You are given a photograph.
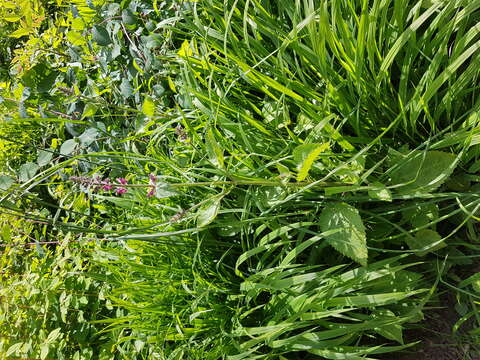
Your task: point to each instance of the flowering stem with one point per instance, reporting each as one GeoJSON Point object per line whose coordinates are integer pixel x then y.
{"type": "Point", "coordinates": [229, 182]}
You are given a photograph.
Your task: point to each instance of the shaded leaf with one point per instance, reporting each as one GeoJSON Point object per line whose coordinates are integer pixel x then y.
{"type": "Point", "coordinates": [68, 147]}
{"type": "Point", "coordinates": [128, 17]}
{"type": "Point", "coordinates": [379, 191]}
{"type": "Point", "coordinates": [421, 171]}
{"type": "Point", "coordinates": [88, 136]}
{"type": "Point", "coordinates": [125, 88]}
{"type": "Point", "coordinates": [351, 240]}
{"type": "Point", "coordinates": [6, 182]}
{"type": "Point", "coordinates": [27, 171]}
{"type": "Point", "coordinates": [100, 35]}
{"type": "Point", "coordinates": [426, 239]}
{"type": "Point", "coordinates": [44, 157]}
{"type": "Point", "coordinates": [208, 212]}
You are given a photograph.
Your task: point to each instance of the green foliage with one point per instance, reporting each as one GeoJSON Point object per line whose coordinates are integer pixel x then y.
{"type": "Point", "coordinates": [347, 232]}
{"type": "Point", "coordinates": [255, 136]}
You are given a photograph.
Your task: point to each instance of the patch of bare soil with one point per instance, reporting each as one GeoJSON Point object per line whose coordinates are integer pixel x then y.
{"type": "Point", "coordinates": [437, 342]}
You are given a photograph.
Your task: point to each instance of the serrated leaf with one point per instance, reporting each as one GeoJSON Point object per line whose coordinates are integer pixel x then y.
{"type": "Point", "coordinates": [208, 212]}
{"type": "Point", "coordinates": [422, 171]}
{"type": "Point", "coordinates": [27, 171]}
{"type": "Point", "coordinates": [305, 155]}
{"type": "Point", "coordinates": [351, 240]}
{"type": "Point", "coordinates": [125, 88]}
{"type": "Point", "coordinates": [148, 107]}
{"type": "Point", "coordinates": [68, 147]}
{"type": "Point", "coordinates": [6, 182]}
{"type": "Point", "coordinates": [89, 110]}
{"type": "Point", "coordinates": [427, 240]}
{"type": "Point", "coordinates": [44, 157]}
{"type": "Point", "coordinates": [100, 36]}
{"type": "Point", "coordinates": [379, 191]}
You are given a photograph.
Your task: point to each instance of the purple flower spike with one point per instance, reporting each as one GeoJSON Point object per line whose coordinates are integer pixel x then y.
{"type": "Point", "coordinates": [120, 191]}
{"type": "Point", "coordinates": [153, 179]}
{"type": "Point", "coordinates": [122, 181]}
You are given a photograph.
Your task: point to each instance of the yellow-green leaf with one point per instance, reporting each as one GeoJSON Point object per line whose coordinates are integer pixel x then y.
{"type": "Point", "coordinates": [305, 155]}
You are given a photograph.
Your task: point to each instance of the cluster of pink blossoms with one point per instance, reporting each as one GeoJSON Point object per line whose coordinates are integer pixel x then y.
{"type": "Point", "coordinates": [98, 183]}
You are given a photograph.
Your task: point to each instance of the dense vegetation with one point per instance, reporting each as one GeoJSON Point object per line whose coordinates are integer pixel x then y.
{"type": "Point", "coordinates": [239, 179]}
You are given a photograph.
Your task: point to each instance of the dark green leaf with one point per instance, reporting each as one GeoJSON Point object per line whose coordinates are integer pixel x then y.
{"type": "Point", "coordinates": [128, 17]}
{"type": "Point", "coordinates": [100, 36]}
{"type": "Point", "coordinates": [125, 88]}
{"type": "Point", "coordinates": [422, 171]}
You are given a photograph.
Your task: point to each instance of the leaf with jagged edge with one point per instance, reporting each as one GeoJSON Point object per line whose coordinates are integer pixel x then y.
{"type": "Point", "coordinates": [421, 171]}
{"type": "Point", "coordinates": [351, 239]}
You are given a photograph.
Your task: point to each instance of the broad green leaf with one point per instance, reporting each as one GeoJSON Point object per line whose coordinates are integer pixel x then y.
{"type": "Point", "coordinates": [27, 171]}
{"type": "Point", "coordinates": [88, 136]}
{"type": "Point", "coordinates": [44, 350]}
{"type": "Point", "coordinates": [427, 240]}
{"type": "Point", "coordinates": [128, 17]}
{"type": "Point", "coordinates": [20, 32]}
{"type": "Point", "coordinates": [75, 38]}
{"type": "Point", "coordinates": [68, 147]}
{"type": "Point", "coordinates": [163, 190]}
{"type": "Point", "coordinates": [305, 155]}
{"type": "Point", "coordinates": [148, 107]}
{"type": "Point", "coordinates": [389, 331]}
{"type": "Point", "coordinates": [422, 214]}
{"type": "Point", "coordinates": [13, 349]}
{"type": "Point", "coordinates": [54, 335]}
{"type": "Point", "coordinates": [6, 182]}
{"type": "Point", "coordinates": [208, 212]}
{"type": "Point", "coordinates": [44, 157]}
{"type": "Point", "coordinates": [422, 171]}
{"type": "Point", "coordinates": [100, 35]}
{"type": "Point", "coordinates": [89, 110]}
{"type": "Point", "coordinates": [351, 240]}
{"type": "Point", "coordinates": [125, 88]}
{"type": "Point", "coordinates": [379, 191]}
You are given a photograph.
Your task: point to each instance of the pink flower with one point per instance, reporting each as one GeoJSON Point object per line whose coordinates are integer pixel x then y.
{"type": "Point", "coordinates": [151, 192]}
{"type": "Point", "coordinates": [107, 187]}
{"type": "Point", "coordinates": [120, 191]}
{"type": "Point", "coordinates": [122, 181]}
